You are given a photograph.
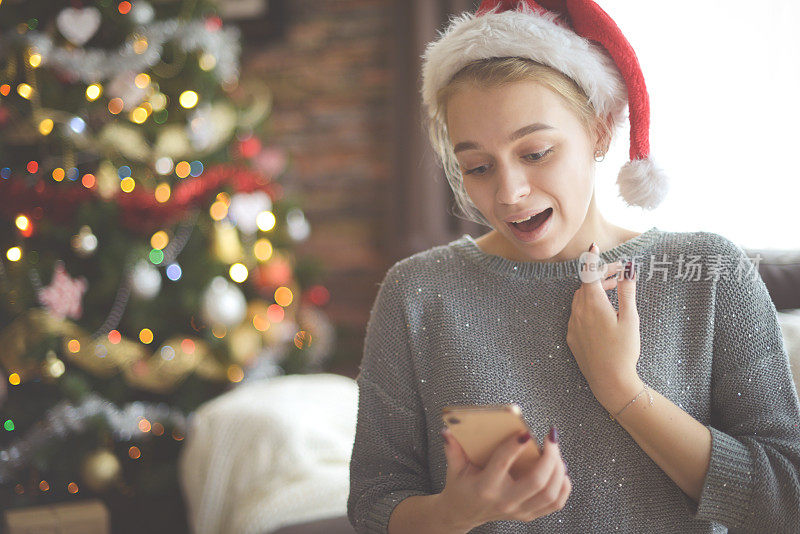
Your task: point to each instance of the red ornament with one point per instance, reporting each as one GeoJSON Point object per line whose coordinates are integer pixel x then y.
{"type": "Point", "coordinates": [250, 147]}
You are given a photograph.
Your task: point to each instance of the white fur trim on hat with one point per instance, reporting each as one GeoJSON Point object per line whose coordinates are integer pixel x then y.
{"type": "Point", "coordinates": [642, 183]}
{"type": "Point", "coordinates": [528, 34]}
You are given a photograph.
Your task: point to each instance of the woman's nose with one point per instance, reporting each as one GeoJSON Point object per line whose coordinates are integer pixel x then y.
{"type": "Point", "coordinates": [512, 184]}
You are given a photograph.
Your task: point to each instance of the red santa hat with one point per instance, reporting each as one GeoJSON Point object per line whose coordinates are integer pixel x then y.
{"type": "Point", "coordinates": [575, 37]}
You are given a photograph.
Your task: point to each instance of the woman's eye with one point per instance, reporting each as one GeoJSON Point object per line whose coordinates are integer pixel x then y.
{"type": "Point", "coordinates": [538, 156]}
{"type": "Point", "coordinates": [475, 170]}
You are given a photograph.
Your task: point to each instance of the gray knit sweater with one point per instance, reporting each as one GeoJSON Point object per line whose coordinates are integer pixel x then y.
{"type": "Point", "coordinates": [455, 325]}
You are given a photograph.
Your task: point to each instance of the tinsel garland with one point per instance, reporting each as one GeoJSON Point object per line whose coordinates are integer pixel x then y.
{"type": "Point", "coordinates": [95, 65]}
{"type": "Point", "coordinates": [65, 418]}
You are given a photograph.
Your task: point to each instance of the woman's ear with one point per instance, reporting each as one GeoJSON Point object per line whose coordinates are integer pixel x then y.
{"type": "Point", "coordinates": [602, 134]}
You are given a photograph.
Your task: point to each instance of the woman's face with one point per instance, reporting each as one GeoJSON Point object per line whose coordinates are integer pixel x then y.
{"type": "Point", "coordinates": [508, 176]}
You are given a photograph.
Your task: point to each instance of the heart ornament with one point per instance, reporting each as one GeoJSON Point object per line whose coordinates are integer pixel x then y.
{"type": "Point", "coordinates": [78, 25]}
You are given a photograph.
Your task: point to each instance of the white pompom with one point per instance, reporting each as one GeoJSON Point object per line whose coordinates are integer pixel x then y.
{"type": "Point", "coordinates": [642, 184]}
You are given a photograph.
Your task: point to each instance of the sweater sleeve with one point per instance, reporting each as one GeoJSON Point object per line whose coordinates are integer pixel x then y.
{"type": "Point", "coordinates": [388, 461]}
{"type": "Point", "coordinates": [753, 480]}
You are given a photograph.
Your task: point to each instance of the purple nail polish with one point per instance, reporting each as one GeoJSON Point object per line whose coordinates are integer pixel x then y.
{"type": "Point", "coordinates": [553, 436]}
{"type": "Point", "coordinates": [629, 270]}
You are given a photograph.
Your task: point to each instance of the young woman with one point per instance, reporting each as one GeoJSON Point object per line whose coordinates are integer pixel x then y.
{"type": "Point", "coordinates": [670, 386]}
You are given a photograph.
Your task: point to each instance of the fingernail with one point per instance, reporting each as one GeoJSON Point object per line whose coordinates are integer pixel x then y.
{"type": "Point", "coordinates": [592, 246]}
{"type": "Point", "coordinates": [553, 436]}
{"type": "Point", "coordinates": [629, 270]}
{"type": "Point", "coordinates": [523, 439]}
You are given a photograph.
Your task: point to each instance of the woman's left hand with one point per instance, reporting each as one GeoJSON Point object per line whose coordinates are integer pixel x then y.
{"type": "Point", "coordinates": [606, 343]}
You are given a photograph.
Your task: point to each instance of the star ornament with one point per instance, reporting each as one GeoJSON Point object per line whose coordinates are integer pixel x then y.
{"type": "Point", "coordinates": [63, 296]}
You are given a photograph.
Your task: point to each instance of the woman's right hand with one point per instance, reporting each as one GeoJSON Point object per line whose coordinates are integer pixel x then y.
{"type": "Point", "coordinates": [473, 496]}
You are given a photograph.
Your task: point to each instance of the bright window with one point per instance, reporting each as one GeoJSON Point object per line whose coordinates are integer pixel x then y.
{"type": "Point", "coordinates": [723, 79]}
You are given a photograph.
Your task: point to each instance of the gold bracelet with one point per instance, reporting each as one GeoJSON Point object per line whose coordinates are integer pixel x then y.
{"type": "Point", "coordinates": [645, 388]}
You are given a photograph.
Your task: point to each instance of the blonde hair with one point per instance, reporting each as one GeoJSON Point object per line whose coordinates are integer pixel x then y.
{"type": "Point", "coordinates": [494, 72]}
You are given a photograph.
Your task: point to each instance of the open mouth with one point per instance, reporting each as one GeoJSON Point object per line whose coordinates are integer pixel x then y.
{"type": "Point", "coordinates": [534, 222]}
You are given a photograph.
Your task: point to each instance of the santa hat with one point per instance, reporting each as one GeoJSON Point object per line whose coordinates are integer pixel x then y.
{"type": "Point", "coordinates": [575, 37]}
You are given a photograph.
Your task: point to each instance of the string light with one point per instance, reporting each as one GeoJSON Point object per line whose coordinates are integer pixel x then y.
{"type": "Point", "coordinates": [14, 379]}
{"type": "Point", "coordinates": [156, 256]}
{"type": "Point", "coordinates": [235, 373]}
{"type": "Point", "coordinates": [88, 181]}
{"type": "Point", "coordinates": [146, 336]}
{"type": "Point", "coordinates": [262, 249]}
{"type": "Point", "coordinates": [138, 115]}
{"type": "Point", "coordinates": [25, 90]}
{"type": "Point", "coordinates": [115, 105]}
{"type": "Point", "coordinates": [159, 240]}
{"type": "Point", "coordinates": [127, 184]}
{"type": "Point", "coordinates": [182, 169]}
{"type": "Point", "coordinates": [74, 345]}
{"type": "Point", "coordinates": [124, 7]}
{"type": "Point", "coordinates": [265, 221]}
{"type": "Point", "coordinates": [218, 210]}
{"type": "Point", "coordinates": [46, 126]}
{"type": "Point", "coordinates": [207, 61]}
{"type": "Point", "coordinates": [22, 222]}
{"type": "Point", "coordinates": [188, 99]}
{"type": "Point", "coordinates": [144, 425]}
{"type": "Point", "coordinates": [134, 453]}
{"type": "Point", "coordinates": [58, 174]}
{"type": "Point", "coordinates": [140, 45]}
{"type": "Point", "coordinates": [142, 80]}
{"type": "Point", "coordinates": [33, 166]}
{"type": "Point", "coordinates": [72, 487]}
{"type": "Point", "coordinates": [114, 337]}
{"type": "Point", "coordinates": [35, 59]}
{"type": "Point", "coordinates": [283, 296]}
{"type": "Point", "coordinates": [93, 92]}
{"type": "Point", "coordinates": [162, 192]}
{"type": "Point", "coordinates": [5, 89]}
{"type": "Point", "coordinates": [14, 254]}
{"type": "Point", "coordinates": [238, 272]}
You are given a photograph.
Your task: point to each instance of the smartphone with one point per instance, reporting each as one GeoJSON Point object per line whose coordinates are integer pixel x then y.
{"type": "Point", "coordinates": [479, 429]}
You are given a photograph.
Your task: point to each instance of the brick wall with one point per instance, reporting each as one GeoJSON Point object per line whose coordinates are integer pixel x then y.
{"type": "Point", "coordinates": [331, 79]}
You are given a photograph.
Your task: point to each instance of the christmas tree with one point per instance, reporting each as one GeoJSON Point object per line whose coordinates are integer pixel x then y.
{"type": "Point", "coordinates": [148, 243]}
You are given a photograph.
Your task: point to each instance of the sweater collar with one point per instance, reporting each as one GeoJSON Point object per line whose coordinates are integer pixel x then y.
{"type": "Point", "coordinates": [631, 248]}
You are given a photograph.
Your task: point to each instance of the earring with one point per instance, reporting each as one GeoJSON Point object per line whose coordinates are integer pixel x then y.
{"type": "Point", "coordinates": [599, 155]}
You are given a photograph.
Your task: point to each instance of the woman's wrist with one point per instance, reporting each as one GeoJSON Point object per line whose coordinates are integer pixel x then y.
{"type": "Point", "coordinates": [450, 522]}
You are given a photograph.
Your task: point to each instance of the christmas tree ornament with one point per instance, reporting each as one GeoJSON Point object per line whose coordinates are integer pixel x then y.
{"type": "Point", "coordinates": [63, 297]}
{"type": "Point", "coordinates": [211, 125]}
{"type": "Point", "coordinates": [223, 303]}
{"type": "Point", "coordinates": [244, 343]}
{"type": "Point", "coordinates": [101, 469]}
{"type": "Point", "coordinates": [84, 243]}
{"type": "Point", "coordinates": [142, 12]}
{"type": "Point", "coordinates": [578, 39]}
{"type": "Point", "coordinates": [145, 280]}
{"type": "Point", "coordinates": [297, 225]}
{"type": "Point", "coordinates": [52, 367]}
{"type": "Point", "coordinates": [245, 207]}
{"type": "Point", "coordinates": [78, 25]}
{"type": "Point", "coordinates": [226, 244]}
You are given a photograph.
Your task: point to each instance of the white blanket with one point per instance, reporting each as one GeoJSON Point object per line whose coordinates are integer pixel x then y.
{"type": "Point", "coordinates": [270, 453]}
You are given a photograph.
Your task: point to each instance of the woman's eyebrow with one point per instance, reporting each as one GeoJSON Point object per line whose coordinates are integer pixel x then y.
{"type": "Point", "coordinates": [522, 132]}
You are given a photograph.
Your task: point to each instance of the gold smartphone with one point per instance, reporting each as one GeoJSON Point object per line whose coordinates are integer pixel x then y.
{"type": "Point", "coordinates": [479, 429]}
